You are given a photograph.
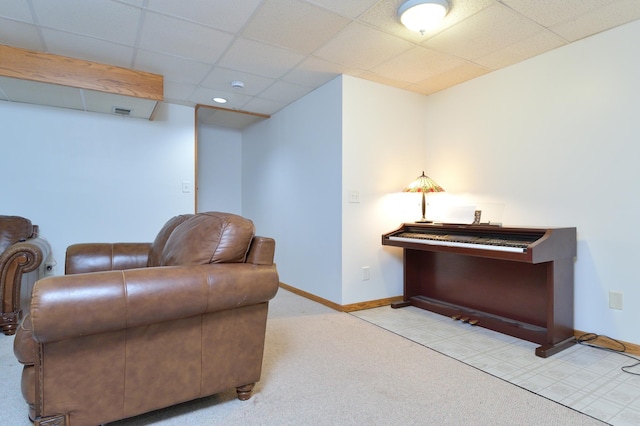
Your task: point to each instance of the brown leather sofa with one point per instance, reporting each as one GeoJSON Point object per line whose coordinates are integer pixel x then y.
{"type": "Point", "coordinates": [22, 256]}
{"type": "Point", "coordinates": [135, 327]}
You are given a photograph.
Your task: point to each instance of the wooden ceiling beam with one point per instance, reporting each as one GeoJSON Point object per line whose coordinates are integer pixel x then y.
{"type": "Point", "coordinates": [78, 73]}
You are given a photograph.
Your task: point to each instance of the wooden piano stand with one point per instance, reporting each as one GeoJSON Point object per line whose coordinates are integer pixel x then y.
{"type": "Point", "coordinates": [527, 295]}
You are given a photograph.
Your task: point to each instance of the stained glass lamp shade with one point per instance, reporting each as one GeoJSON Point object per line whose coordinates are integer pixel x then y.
{"type": "Point", "coordinates": [423, 184]}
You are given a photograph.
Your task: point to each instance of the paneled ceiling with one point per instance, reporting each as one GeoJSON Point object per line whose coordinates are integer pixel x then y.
{"type": "Point", "coordinates": [284, 49]}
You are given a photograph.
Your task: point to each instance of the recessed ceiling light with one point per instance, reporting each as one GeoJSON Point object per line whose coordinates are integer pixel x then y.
{"type": "Point", "coordinates": [220, 100]}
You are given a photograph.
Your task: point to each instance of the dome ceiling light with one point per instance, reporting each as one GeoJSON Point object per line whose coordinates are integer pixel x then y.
{"type": "Point", "coordinates": [422, 15]}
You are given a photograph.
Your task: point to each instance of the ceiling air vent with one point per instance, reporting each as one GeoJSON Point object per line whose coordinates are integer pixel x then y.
{"type": "Point", "coordinates": [125, 112]}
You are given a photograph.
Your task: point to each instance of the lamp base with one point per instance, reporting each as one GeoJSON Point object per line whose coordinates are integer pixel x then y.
{"type": "Point", "coordinates": [424, 221]}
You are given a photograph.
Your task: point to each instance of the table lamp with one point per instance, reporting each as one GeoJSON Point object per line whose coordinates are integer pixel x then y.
{"type": "Point", "coordinates": [423, 184]}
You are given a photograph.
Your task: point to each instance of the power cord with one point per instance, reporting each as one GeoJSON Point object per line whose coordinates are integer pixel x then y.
{"type": "Point", "coordinates": [585, 338]}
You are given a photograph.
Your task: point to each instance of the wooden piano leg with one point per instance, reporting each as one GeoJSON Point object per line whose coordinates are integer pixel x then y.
{"type": "Point", "coordinates": [397, 305]}
{"type": "Point", "coordinates": [545, 351]}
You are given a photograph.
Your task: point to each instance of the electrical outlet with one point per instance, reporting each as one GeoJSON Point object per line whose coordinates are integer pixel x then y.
{"type": "Point", "coordinates": [354, 196]}
{"type": "Point", "coordinates": [366, 273]}
{"type": "Point", "coordinates": [615, 300]}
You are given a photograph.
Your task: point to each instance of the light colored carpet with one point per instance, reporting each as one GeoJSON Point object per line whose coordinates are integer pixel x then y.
{"type": "Point", "coordinates": [323, 367]}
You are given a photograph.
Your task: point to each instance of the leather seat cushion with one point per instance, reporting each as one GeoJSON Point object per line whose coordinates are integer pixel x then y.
{"type": "Point", "coordinates": [211, 237]}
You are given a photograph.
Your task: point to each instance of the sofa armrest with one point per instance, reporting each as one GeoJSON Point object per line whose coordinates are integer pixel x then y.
{"type": "Point", "coordinates": [97, 257]}
{"type": "Point", "coordinates": [83, 304]}
{"type": "Point", "coordinates": [261, 251]}
{"type": "Point", "coordinates": [25, 256]}
{"type": "Point", "coordinates": [17, 260]}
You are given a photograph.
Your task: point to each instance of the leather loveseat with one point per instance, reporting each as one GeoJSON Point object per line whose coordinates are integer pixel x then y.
{"type": "Point", "coordinates": [22, 256]}
{"type": "Point", "coordinates": [134, 327]}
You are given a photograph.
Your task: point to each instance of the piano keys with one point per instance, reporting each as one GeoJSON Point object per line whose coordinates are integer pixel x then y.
{"type": "Point", "coordinates": [517, 281]}
{"type": "Point", "coordinates": [515, 245]}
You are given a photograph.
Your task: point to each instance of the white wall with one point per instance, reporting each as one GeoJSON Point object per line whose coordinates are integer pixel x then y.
{"type": "Point", "coordinates": [219, 169]}
{"type": "Point", "coordinates": [300, 165]}
{"type": "Point", "coordinates": [291, 188]}
{"type": "Point", "coordinates": [383, 149]}
{"type": "Point", "coordinates": [85, 177]}
{"type": "Point", "coordinates": [554, 140]}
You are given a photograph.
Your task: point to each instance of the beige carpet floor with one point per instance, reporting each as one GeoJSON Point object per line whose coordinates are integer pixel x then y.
{"type": "Point", "coordinates": [323, 367]}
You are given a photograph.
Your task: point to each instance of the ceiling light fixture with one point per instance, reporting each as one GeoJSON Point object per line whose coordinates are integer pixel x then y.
{"type": "Point", "coordinates": [220, 100]}
{"type": "Point", "coordinates": [422, 15]}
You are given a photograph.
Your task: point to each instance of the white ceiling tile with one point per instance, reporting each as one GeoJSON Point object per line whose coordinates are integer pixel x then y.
{"type": "Point", "coordinates": [294, 25]}
{"type": "Point", "coordinates": [174, 90]}
{"type": "Point", "coordinates": [111, 21]}
{"type": "Point", "coordinates": [221, 78]}
{"type": "Point", "coordinates": [460, 10]}
{"type": "Point", "coordinates": [372, 76]}
{"type": "Point", "coordinates": [137, 3]}
{"type": "Point", "coordinates": [527, 48]}
{"type": "Point", "coordinates": [362, 47]}
{"type": "Point", "coordinates": [263, 106]}
{"type": "Point", "coordinates": [185, 39]}
{"type": "Point", "coordinates": [258, 58]}
{"type": "Point", "coordinates": [551, 12]}
{"type": "Point", "coordinates": [16, 10]}
{"type": "Point", "coordinates": [226, 15]}
{"type": "Point", "coordinates": [315, 72]}
{"type": "Point", "coordinates": [284, 92]}
{"type": "Point", "coordinates": [88, 48]}
{"type": "Point", "coordinates": [491, 29]}
{"type": "Point", "coordinates": [449, 78]}
{"type": "Point", "coordinates": [598, 20]}
{"type": "Point", "coordinates": [18, 34]}
{"type": "Point", "coordinates": [351, 8]}
{"type": "Point", "coordinates": [417, 64]}
{"type": "Point", "coordinates": [171, 67]}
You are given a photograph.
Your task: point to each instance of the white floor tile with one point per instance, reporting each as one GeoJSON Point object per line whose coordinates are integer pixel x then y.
{"type": "Point", "coordinates": [584, 378]}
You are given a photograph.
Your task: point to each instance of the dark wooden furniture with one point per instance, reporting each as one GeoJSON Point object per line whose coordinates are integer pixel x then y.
{"type": "Point", "coordinates": [22, 256]}
{"type": "Point", "coordinates": [517, 281]}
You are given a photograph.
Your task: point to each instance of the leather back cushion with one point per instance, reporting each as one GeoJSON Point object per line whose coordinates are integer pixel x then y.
{"type": "Point", "coordinates": [211, 237]}
{"type": "Point", "coordinates": [161, 239]}
{"type": "Point", "coordinates": [12, 230]}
